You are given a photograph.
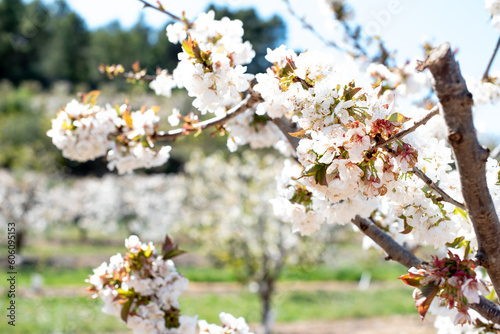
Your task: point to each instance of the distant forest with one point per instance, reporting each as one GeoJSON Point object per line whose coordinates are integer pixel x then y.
{"type": "Point", "coordinates": [49, 43]}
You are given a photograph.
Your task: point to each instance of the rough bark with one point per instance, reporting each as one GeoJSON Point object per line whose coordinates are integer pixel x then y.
{"type": "Point", "coordinates": [470, 157]}
{"type": "Point", "coordinates": [395, 251]}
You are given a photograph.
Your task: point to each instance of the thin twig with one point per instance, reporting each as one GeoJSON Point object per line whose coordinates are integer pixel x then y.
{"type": "Point", "coordinates": [433, 112]}
{"type": "Point", "coordinates": [130, 75]}
{"type": "Point", "coordinates": [161, 10]}
{"type": "Point", "coordinates": [444, 196]}
{"type": "Point", "coordinates": [309, 27]}
{"type": "Point", "coordinates": [486, 73]}
{"type": "Point", "coordinates": [248, 102]}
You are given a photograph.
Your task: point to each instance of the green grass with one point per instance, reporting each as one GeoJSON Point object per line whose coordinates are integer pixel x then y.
{"type": "Point", "coordinates": [380, 271]}
{"type": "Point", "coordinates": [75, 276]}
{"type": "Point", "coordinates": [82, 315]}
{"type": "Point", "coordinates": [39, 315]}
{"type": "Point", "coordinates": [55, 276]}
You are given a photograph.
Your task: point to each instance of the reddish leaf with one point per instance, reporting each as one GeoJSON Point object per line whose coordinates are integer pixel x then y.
{"type": "Point", "coordinates": [424, 297]}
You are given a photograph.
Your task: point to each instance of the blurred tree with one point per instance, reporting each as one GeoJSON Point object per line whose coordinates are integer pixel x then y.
{"type": "Point", "coordinates": [65, 54]}
{"type": "Point", "coordinates": [21, 27]}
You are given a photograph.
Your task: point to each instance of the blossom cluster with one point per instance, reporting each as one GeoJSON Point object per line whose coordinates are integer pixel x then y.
{"type": "Point", "coordinates": [257, 131]}
{"type": "Point", "coordinates": [230, 325]}
{"type": "Point", "coordinates": [211, 64]}
{"type": "Point", "coordinates": [143, 288]}
{"type": "Point", "coordinates": [85, 131]}
{"type": "Point", "coordinates": [403, 80]}
{"type": "Point", "coordinates": [452, 279]}
{"type": "Point", "coordinates": [341, 123]}
{"type": "Point", "coordinates": [81, 130]}
{"type": "Point", "coordinates": [485, 92]}
{"type": "Point", "coordinates": [493, 6]}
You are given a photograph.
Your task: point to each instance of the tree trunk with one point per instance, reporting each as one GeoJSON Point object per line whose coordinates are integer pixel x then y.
{"type": "Point", "coordinates": [266, 291]}
{"type": "Point", "coordinates": [470, 156]}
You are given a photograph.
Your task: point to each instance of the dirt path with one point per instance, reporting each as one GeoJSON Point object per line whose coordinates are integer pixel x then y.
{"type": "Point", "coordinates": [386, 325]}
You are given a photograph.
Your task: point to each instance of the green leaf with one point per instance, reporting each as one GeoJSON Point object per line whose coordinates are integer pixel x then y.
{"type": "Point", "coordinates": [459, 211]}
{"type": "Point", "coordinates": [125, 293]}
{"type": "Point", "coordinates": [170, 250]}
{"type": "Point", "coordinates": [173, 254]}
{"type": "Point", "coordinates": [126, 310]}
{"type": "Point", "coordinates": [350, 92]}
{"type": "Point", "coordinates": [398, 118]}
{"type": "Point", "coordinates": [318, 172]}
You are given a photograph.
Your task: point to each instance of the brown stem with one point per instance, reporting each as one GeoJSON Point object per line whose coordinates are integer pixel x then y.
{"type": "Point", "coordinates": [248, 102]}
{"type": "Point", "coordinates": [486, 72]}
{"type": "Point", "coordinates": [433, 112]}
{"type": "Point", "coordinates": [161, 10]}
{"type": "Point", "coordinates": [397, 252]}
{"type": "Point", "coordinates": [286, 127]}
{"type": "Point", "coordinates": [309, 27]}
{"type": "Point", "coordinates": [470, 157]}
{"type": "Point", "coordinates": [444, 196]}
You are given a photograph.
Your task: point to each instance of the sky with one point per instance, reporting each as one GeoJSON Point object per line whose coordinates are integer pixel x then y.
{"type": "Point", "coordinates": [403, 24]}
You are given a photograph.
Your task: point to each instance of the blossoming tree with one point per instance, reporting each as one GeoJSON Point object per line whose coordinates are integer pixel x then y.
{"type": "Point", "coordinates": [369, 154]}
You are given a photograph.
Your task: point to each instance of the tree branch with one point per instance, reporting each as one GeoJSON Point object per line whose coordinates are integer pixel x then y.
{"type": "Point", "coordinates": [286, 127]}
{"type": "Point", "coordinates": [248, 102]}
{"type": "Point", "coordinates": [397, 252]}
{"type": "Point", "coordinates": [470, 157]}
{"type": "Point", "coordinates": [444, 196]}
{"type": "Point", "coordinates": [486, 72]}
{"type": "Point", "coordinates": [389, 245]}
{"type": "Point", "coordinates": [433, 112]}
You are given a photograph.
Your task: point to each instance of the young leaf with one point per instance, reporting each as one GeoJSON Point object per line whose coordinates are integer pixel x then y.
{"type": "Point", "coordinates": [170, 250]}
{"type": "Point", "coordinates": [126, 310]}
{"type": "Point", "coordinates": [398, 118]}
{"type": "Point", "coordinates": [424, 297]}
{"type": "Point", "coordinates": [300, 134]}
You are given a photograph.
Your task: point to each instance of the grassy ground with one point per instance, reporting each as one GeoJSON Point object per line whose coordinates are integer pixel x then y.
{"type": "Point", "coordinates": [74, 313]}
{"type": "Point", "coordinates": [82, 315]}
{"type": "Point", "coordinates": [60, 276]}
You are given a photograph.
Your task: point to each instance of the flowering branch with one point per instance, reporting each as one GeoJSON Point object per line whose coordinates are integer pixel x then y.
{"type": "Point", "coordinates": [248, 102]}
{"type": "Point", "coordinates": [397, 252]}
{"type": "Point", "coordinates": [486, 72]}
{"type": "Point", "coordinates": [470, 157]}
{"type": "Point", "coordinates": [444, 196]}
{"type": "Point", "coordinates": [433, 112]}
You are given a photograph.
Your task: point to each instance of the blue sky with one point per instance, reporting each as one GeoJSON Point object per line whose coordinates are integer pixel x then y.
{"type": "Point", "coordinates": [464, 23]}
